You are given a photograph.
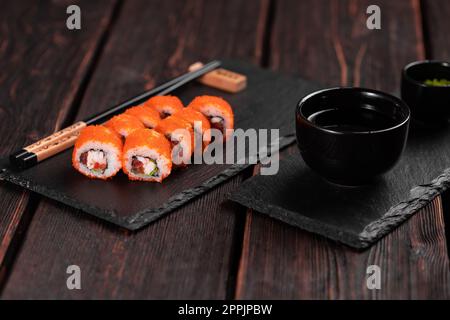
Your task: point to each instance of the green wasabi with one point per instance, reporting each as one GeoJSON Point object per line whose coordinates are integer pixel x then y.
{"type": "Point", "coordinates": [437, 82]}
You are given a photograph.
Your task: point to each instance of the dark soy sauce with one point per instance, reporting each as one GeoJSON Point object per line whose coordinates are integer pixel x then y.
{"type": "Point", "coordinates": [351, 120]}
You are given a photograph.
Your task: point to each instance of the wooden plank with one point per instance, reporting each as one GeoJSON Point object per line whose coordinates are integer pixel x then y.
{"type": "Point", "coordinates": [436, 25]}
{"type": "Point", "coordinates": [412, 259]}
{"type": "Point", "coordinates": [189, 253]}
{"type": "Point", "coordinates": [328, 41]}
{"type": "Point", "coordinates": [43, 66]}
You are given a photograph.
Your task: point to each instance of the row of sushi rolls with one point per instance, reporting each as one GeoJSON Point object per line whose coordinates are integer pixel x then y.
{"type": "Point", "coordinates": [145, 141]}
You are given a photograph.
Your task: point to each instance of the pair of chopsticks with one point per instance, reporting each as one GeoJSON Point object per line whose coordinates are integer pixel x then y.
{"type": "Point", "coordinates": [65, 138]}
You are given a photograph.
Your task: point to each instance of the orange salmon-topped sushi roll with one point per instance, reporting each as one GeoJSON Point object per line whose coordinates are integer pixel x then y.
{"type": "Point", "coordinates": [97, 152]}
{"type": "Point", "coordinates": [147, 156]}
{"type": "Point", "coordinates": [165, 105]}
{"type": "Point", "coordinates": [181, 136]}
{"type": "Point", "coordinates": [124, 124]}
{"type": "Point", "coordinates": [217, 110]}
{"type": "Point", "coordinates": [198, 121]}
{"type": "Point", "coordinates": [148, 116]}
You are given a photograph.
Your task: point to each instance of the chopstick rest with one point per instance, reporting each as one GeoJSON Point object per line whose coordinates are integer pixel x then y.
{"type": "Point", "coordinates": [222, 79]}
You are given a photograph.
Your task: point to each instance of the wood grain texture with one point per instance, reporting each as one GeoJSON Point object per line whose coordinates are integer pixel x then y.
{"type": "Point", "coordinates": [187, 254]}
{"type": "Point", "coordinates": [412, 259]}
{"type": "Point", "coordinates": [283, 262]}
{"type": "Point", "coordinates": [37, 51]}
{"type": "Point", "coordinates": [435, 14]}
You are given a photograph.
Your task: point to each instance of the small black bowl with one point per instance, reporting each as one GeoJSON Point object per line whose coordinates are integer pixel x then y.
{"type": "Point", "coordinates": [350, 136]}
{"type": "Point", "coordinates": [430, 105]}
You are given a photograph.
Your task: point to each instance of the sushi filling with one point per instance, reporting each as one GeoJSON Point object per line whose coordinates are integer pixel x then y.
{"type": "Point", "coordinates": [165, 114]}
{"type": "Point", "coordinates": [145, 166]}
{"type": "Point", "coordinates": [175, 145]}
{"type": "Point", "coordinates": [94, 160]}
{"type": "Point", "coordinates": [217, 123]}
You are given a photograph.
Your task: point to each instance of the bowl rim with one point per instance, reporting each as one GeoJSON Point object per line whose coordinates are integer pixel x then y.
{"type": "Point", "coordinates": [358, 89]}
{"type": "Point", "coordinates": [424, 62]}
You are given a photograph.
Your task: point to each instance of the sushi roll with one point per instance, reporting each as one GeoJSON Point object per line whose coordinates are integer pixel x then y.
{"type": "Point", "coordinates": [97, 152]}
{"type": "Point", "coordinates": [181, 136]}
{"type": "Point", "coordinates": [146, 156]}
{"type": "Point", "coordinates": [124, 124]}
{"type": "Point", "coordinates": [148, 116]}
{"type": "Point", "coordinates": [198, 121]}
{"type": "Point", "coordinates": [165, 105]}
{"type": "Point", "coordinates": [218, 112]}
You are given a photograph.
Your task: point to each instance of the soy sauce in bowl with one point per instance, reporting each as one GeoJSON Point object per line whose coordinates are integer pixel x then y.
{"type": "Point", "coordinates": [351, 120]}
{"type": "Point", "coordinates": [351, 135]}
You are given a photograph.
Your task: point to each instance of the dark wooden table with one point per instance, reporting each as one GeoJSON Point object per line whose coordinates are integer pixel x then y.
{"type": "Point", "coordinates": [210, 248]}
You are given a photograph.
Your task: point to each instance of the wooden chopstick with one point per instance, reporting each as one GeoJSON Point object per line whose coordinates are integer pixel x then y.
{"type": "Point", "coordinates": [65, 138]}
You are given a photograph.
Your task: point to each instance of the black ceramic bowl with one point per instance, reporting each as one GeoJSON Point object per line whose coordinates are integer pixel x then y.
{"type": "Point", "coordinates": [351, 135]}
{"type": "Point", "coordinates": [429, 104]}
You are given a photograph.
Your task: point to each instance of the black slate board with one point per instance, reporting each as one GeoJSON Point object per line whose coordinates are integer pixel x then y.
{"type": "Point", "coordinates": [355, 216]}
{"type": "Point", "coordinates": [268, 102]}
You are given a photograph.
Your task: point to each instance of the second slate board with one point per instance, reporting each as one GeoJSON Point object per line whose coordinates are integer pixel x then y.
{"type": "Point", "coordinates": [268, 102]}
{"type": "Point", "coordinates": [355, 216]}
